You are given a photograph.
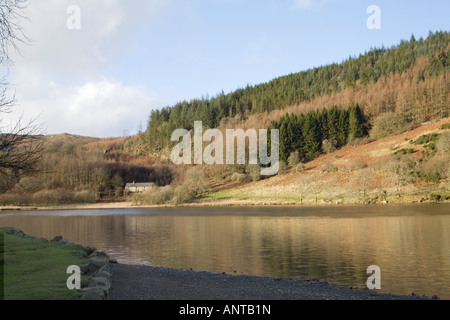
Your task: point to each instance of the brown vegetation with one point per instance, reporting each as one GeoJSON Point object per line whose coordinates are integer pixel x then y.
{"type": "Point", "coordinates": [394, 168]}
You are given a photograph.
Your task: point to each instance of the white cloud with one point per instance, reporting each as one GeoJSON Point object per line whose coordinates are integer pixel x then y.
{"type": "Point", "coordinates": [60, 76]}
{"type": "Point", "coordinates": [105, 108]}
{"type": "Point", "coordinates": [105, 31]}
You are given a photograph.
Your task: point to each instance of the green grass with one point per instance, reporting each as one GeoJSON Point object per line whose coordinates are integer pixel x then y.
{"type": "Point", "coordinates": [1, 267]}
{"type": "Point", "coordinates": [36, 270]}
{"type": "Point", "coordinates": [225, 195]}
{"type": "Point", "coordinates": [230, 194]}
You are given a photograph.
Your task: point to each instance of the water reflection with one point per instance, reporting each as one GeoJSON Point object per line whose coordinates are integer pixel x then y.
{"type": "Point", "coordinates": [411, 244]}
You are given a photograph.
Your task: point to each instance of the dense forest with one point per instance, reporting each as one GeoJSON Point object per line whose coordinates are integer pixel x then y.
{"type": "Point", "coordinates": [418, 100]}
{"type": "Point", "coordinates": [319, 131]}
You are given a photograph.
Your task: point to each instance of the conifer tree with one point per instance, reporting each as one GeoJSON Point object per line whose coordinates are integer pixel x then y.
{"type": "Point", "coordinates": [356, 123]}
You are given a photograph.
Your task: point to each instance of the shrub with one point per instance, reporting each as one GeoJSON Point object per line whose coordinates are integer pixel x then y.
{"type": "Point", "coordinates": [437, 168]}
{"type": "Point", "coordinates": [294, 159]}
{"type": "Point", "coordinates": [443, 144]}
{"type": "Point", "coordinates": [283, 168]}
{"type": "Point", "coordinates": [300, 168]}
{"type": "Point", "coordinates": [435, 197]}
{"type": "Point", "coordinates": [445, 126]}
{"type": "Point", "coordinates": [356, 164]}
{"type": "Point", "coordinates": [329, 146]}
{"type": "Point", "coordinates": [234, 176]}
{"type": "Point", "coordinates": [428, 138]}
{"type": "Point", "coordinates": [239, 177]}
{"type": "Point", "coordinates": [118, 191]}
{"type": "Point", "coordinates": [52, 197]}
{"type": "Point", "coordinates": [29, 185]}
{"type": "Point", "coordinates": [254, 172]}
{"type": "Point", "coordinates": [14, 199]}
{"type": "Point", "coordinates": [7, 181]}
{"type": "Point", "coordinates": [389, 124]}
{"type": "Point", "coordinates": [85, 196]}
{"type": "Point", "coordinates": [329, 167]}
{"type": "Point", "coordinates": [405, 151]}
{"type": "Point", "coordinates": [155, 196]}
{"type": "Point", "coordinates": [182, 195]}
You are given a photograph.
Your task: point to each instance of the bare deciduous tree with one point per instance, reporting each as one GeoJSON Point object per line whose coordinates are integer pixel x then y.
{"type": "Point", "coordinates": [11, 32]}
{"type": "Point", "coordinates": [20, 146]}
{"type": "Point", "coordinates": [309, 184]}
{"type": "Point", "coordinates": [363, 181]}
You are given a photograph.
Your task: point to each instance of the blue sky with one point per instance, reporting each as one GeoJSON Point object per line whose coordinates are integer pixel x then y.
{"type": "Point", "coordinates": [130, 57]}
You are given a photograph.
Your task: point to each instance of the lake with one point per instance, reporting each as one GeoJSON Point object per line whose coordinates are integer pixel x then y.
{"type": "Point", "coordinates": [409, 242]}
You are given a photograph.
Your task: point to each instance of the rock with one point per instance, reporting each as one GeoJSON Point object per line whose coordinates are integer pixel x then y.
{"type": "Point", "coordinates": [57, 239]}
{"type": "Point", "coordinates": [113, 261]}
{"type": "Point", "coordinates": [88, 250]}
{"type": "Point", "coordinates": [98, 253]}
{"type": "Point", "coordinates": [102, 254]}
{"type": "Point", "coordinates": [93, 254]}
{"type": "Point", "coordinates": [93, 293]}
{"type": "Point", "coordinates": [102, 282]}
{"type": "Point", "coordinates": [16, 232]}
{"type": "Point", "coordinates": [65, 241]}
{"type": "Point", "coordinates": [94, 265]}
{"type": "Point", "coordinates": [84, 283]}
{"type": "Point", "coordinates": [105, 271]}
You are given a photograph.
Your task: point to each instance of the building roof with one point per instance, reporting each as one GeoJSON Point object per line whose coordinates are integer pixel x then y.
{"type": "Point", "coordinates": [140, 185]}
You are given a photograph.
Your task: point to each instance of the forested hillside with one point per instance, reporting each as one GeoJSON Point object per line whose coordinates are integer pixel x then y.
{"type": "Point", "coordinates": [75, 169]}
{"type": "Point", "coordinates": [409, 79]}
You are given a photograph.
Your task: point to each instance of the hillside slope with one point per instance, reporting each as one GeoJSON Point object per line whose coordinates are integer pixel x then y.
{"type": "Point", "coordinates": [366, 173]}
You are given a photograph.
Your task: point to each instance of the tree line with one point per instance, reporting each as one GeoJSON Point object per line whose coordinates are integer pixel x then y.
{"type": "Point", "coordinates": [305, 86]}
{"type": "Point", "coordinates": [317, 131]}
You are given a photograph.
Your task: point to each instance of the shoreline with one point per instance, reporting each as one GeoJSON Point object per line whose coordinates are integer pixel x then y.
{"type": "Point", "coordinates": [202, 203]}
{"type": "Point", "coordinates": [141, 282]}
{"type": "Point", "coordinates": [107, 279]}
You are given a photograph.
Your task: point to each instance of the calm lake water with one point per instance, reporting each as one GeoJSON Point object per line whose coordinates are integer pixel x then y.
{"type": "Point", "coordinates": [410, 243]}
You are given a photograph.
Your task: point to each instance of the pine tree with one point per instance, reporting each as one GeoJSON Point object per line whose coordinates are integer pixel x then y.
{"type": "Point", "coordinates": [342, 128]}
{"type": "Point", "coordinates": [284, 143]}
{"type": "Point", "coordinates": [333, 125]}
{"type": "Point", "coordinates": [356, 123]}
{"type": "Point", "coordinates": [311, 136]}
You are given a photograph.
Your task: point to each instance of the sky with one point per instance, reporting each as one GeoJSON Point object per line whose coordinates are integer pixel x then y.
{"type": "Point", "coordinates": [98, 67]}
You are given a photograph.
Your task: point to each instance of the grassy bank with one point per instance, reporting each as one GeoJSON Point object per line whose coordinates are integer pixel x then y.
{"type": "Point", "coordinates": [35, 269]}
{"type": "Point", "coordinates": [231, 196]}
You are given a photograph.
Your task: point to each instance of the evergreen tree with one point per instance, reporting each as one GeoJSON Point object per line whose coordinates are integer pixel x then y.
{"type": "Point", "coordinates": [356, 123]}
{"type": "Point", "coordinates": [284, 143]}
{"type": "Point", "coordinates": [311, 136]}
{"type": "Point", "coordinates": [342, 128]}
{"type": "Point", "coordinates": [333, 125]}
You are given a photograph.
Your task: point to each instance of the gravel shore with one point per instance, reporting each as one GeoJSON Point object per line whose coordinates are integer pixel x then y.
{"type": "Point", "coordinates": [132, 282]}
